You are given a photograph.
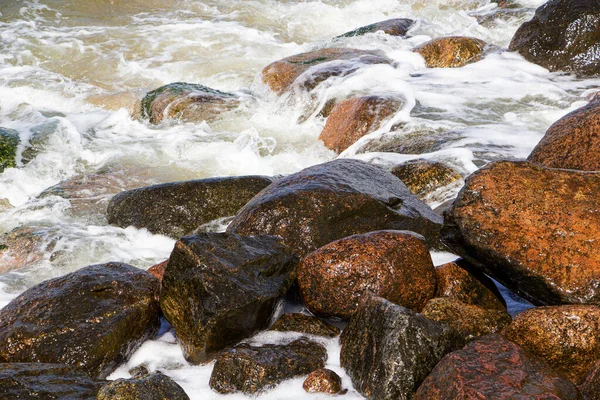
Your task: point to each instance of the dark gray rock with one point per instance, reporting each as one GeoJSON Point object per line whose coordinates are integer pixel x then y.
{"type": "Point", "coordinates": [150, 387]}
{"type": "Point", "coordinates": [305, 324]}
{"type": "Point", "coordinates": [393, 27]}
{"type": "Point", "coordinates": [219, 288]}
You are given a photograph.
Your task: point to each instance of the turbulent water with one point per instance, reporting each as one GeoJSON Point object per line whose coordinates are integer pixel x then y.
{"type": "Point", "coordinates": [71, 70]}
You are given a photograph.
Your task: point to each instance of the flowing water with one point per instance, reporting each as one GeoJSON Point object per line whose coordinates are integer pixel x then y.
{"type": "Point", "coordinates": [71, 71]}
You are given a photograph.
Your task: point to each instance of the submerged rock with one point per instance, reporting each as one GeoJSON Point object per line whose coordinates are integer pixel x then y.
{"type": "Point", "coordinates": [323, 381]}
{"type": "Point", "coordinates": [395, 265]}
{"type": "Point", "coordinates": [354, 118]}
{"type": "Point", "coordinates": [9, 141]}
{"type": "Point", "coordinates": [423, 177]}
{"type": "Point", "coordinates": [150, 387]}
{"type": "Point", "coordinates": [330, 201]}
{"type": "Point", "coordinates": [410, 141]}
{"type": "Point", "coordinates": [304, 324]}
{"type": "Point", "coordinates": [130, 101]}
{"type": "Point", "coordinates": [451, 52]}
{"type": "Point", "coordinates": [219, 288]}
{"type": "Point", "coordinates": [178, 208]}
{"type": "Point", "coordinates": [494, 368]}
{"type": "Point", "coordinates": [388, 350]}
{"type": "Point", "coordinates": [251, 369]}
{"type": "Point", "coordinates": [187, 102]}
{"type": "Point", "coordinates": [562, 36]}
{"type": "Point", "coordinates": [531, 228]}
{"type": "Point", "coordinates": [23, 247]}
{"type": "Point", "coordinates": [93, 318]}
{"type": "Point", "coordinates": [392, 27]}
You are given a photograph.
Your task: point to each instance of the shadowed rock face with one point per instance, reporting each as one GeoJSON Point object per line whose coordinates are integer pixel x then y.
{"type": "Point", "coordinates": [323, 381]}
{"type": "Point", "coordinates": [590, 388]}
{"type": "Point", "coordinates": [533, 229]}
{"type": "Point", "coordinates": [562, 36]}
{"type": "Point", "coordinates": [305, 324]}
{"type": "Point", "coordinates": [494, 368]}
{"type": "Point", "coordinates": [451, 52]}
{"type": "Point", "coordinates": [220, 288]}
{"type": "Point", "coordinates": [93, 318]}
{"type": "Point", "coordinates": [330, 201]}
{"type": "Point", "coordinates": [392, 27]}
{"type": "Point", "coordinates": [151, 387]}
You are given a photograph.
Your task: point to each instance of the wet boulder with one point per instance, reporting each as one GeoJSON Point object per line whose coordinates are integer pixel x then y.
{"type": "Point", "coordinates": [410, 140]}
{"type": "Point", "coordinates": [251, 369]}
{"type": "Point", "coordinates": [154, 386]}
{"type": "Point", "coordinates": [330, 201]}
{"type": "Point", "coordinates": [186, 102]}
{"type": "Point", "coordinates": [590, 388]}
{"type": "Point", "coordinates": [563, 35]}
{"type": "Point", "coordinates": [304, 324]}
{"type": "Point", "coordinates": [395, 265]}
{"type": "Point", "coordinates": [572, 142]}
{"type": "Point", "coordinates": [46, 381]}
{"type": "Point", "coordinates": [494, 368]}
{"type": "Point", "coordinates": [323, 381]}
{"type": "Point", "coordinates": [566, 337]}
{"type": "Point", "coordinates": [9, 141]}
{"type": "Point", "coordinates": [451, 52]}
{"type": "Point", "coordinates": [323, 63]}
{"type": "Point", "coordinates": [219, 288]}
{"type": "Point", "coordinates": [94, 318]}
{"type": "Point", "coordinates": [531, 228]}
{"type": "Point", "coordinates": [158, 270]}
{"type": "Point", "coordinates": [354, 118]}
{"type": "Point", "coordinates": [423, 177]}
{"type": "Point", "coordinates": [388, 350]}
{"type": "Point", "coordinates": [392, 27]}
{"type": "Point", "coordinates": [178, 208]}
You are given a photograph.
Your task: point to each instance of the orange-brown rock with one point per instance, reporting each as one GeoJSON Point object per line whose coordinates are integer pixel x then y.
{"type": "Point", "coordinates": [158, 270]}
{"type": "Point", "coordinates": [451, 52]}
{"type": "Point", "coordinates": [306, 324]}
{"type": "Point", "coordinates": [281, 74]}
{"type": "Point", "coordinates": [354, 118]}
{"type": "Point", "coordinates": [423, 177]}
{"type": "Point", "coordinates": [24, 246]}
{"type": "Point", "coordinates": [572, 142]}
{"type": "Point", "coordinates": [395, 265]}
{"type": "Point", "coordinates": [566, 337]}
{"type": "Point", "coordinates": [323, 381]}
{"type": "Point", "coordinates": [536, 230]}
{"type": "Point", "coordinates": [590, 388]}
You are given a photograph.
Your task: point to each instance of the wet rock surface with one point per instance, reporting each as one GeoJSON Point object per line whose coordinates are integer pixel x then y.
{"type": "Point", "coordinates": [93, 318]}
{"type": "Point", "coordinates": [392, 27]}
{"type": "Point", "coordinates": [531, 228]}
{"type": "Point", "coordinates": [494, 368]}
{"type": "Point", "coordinates": [251, 369]}
{"type": "Point", "coordinates": [395, 265]}
{"type": "Point", "coordinates": [330, 201]}
{"type": "Point", "coordinates": [562, 36]}
{"type": "Point", "coordinates": [46, 381]}
{"type": "Point", "coordinates": [22, 247]}
{"type": "Point", "coordinates": [451, 52]}
{"type": "Point", "coordinates": [219, 288]}
{"type": "Point", "coordinates": [179, 208]}
{"type": "Point", "coordinates": [388, 350]}
{"type": "Point", "coordinates": [305, 324]}
{"type": "Point", "coordinates": [9, 141]}
{"type": "Point", "coordinates": [590, 388]}
{"type": "Point", "coordinates": [564, 336]}
{"type": "Point", "coordinates": [423, 177]}
{"type": "Point", "coordinates": [323, 381]}
{"type": "Point", "coordinates": [410, 141]}
{"type": "Point", "coordinates": [158, 270]}
{"type": "Point", "coordinates": [154, 386]}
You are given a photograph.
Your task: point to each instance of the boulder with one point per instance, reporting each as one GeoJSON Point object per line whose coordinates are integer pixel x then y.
{"type": "Point", "coordinates": [323, 381]}
{"type": "Point", "coordinates": [566, 337]}
{"type": "Point", "coordinates": [158, 270]}
{"type": "Point", "coordinates": [590, 388]}
{"type": "Point", "coordinates": [356, 117]}
{"type": "Point", "coordinates": [46, 382]}
{"type": "Point", "coordinates": [251, 369]}
{"type": "Point", "coordinates": [330, 201]}
{"type": "Point", "coordinates": [23, 247]}
{"type": "Point", "coordinates": [280, 75]}
{"type": "Point", "coordinates": [423, 177]}
{"type": "Point", "coordinates": [219, 288]}
{"type": "Point", "coordinates": [572, 142]}
{"type": "Point", "coordinates": [93, 318]}
{"type": "Point", "coordinates": [411, 140]}
{"type": "Point", "coordinates": [533, 229]}
{"type": "Point", "coordinates": [392, 27]}
{"type": "Point", "coordinates": [9, 141]}
{"type": "Point", "coordinates": [562, 36]}
{"type": "Point", "coordinates": [451, 52]}
{"type": "Point", "coordinates": [388, 350]}
{"type": "Point", "coordinates": [186, 102]}
{"type": "Point", "coordinates": [494, 368]}
{"type": "Point", "coordinates": [178, 208]}
{"type": "Point", "coordinates": [304, 324]}
{"type": "Point", "coordinates": [395, 265]}
{"type": "Point", "coordinates": [150, 387]}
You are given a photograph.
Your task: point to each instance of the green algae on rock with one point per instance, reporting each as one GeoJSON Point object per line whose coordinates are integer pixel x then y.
{"type": "Point", "coordinates": [9, 141]}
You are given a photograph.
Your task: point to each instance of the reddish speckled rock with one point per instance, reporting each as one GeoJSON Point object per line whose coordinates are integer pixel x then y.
{"type": "Point", "coordinates": [323, 381]}
{"type": "Point", "coordinates": [451, 52]}
{"type": "Point", "coordinates": [158, 270]}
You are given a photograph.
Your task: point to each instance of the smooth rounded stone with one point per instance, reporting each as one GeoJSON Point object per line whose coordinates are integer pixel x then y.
{"type": "Point", "coordinates": [330, 201]}
{"type": "Point", "coordinates": [533, 229]}
{"type": "Point", "coordinates": [395, 265]}
{"type": "Point", "coordinates": [469, 320]}
{"type": "Point", "coordinates": [423, 177]}
{"type": "Point", "coordinates": [219, 288]}
{"type": "Point", "coordinates": [251, 369]}
{"type": "Point", "coordinates": [323, 381]}
{"type": "Point", "coordinates": [590, 388]}
{"type": "Point", "coordinates": [304, 324]}
{"type": "Point", "coordinates": [451, 52]}
{"type": "Point", "coordinates": [280, 75]}
{"type": "Point", "coordinates": [572, 142]}
{"type": "Point", "coordinates": [188, 102]}
{"type": "Point", "coordinates": [178, 208]}
{"type": "Point", "coordinates": [9, 142]}
{"type": "Point", "coordinates": [155, 386]}
{"type": "Point", "coordinates": [354, 118]}
{"type": "Point", "coordinates": [494, 368]}
{"type": "Point", "coordinates": [46, 381]}
{"type": "Point", "coordinates": [158, 270]}
{"type": "Point", "coordinates": [388, 350]}
{"type": "Point", "coordinates": [93, 318]}
{"type": "Point", "coordinates": [567, 337]}
{"type": "Point", "coordinates": [562, 36]}
{"type": "Point", "coordinates": [392, 27]}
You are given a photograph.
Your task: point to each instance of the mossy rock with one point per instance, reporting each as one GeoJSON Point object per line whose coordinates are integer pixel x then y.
{"type": "Point", "coordinates": [9, 141]}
